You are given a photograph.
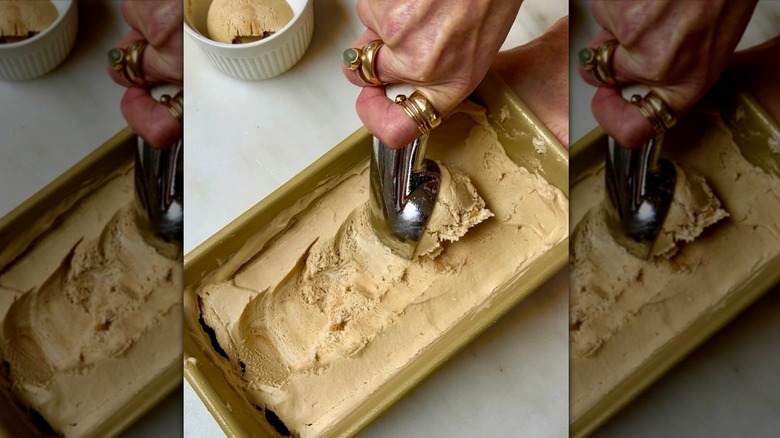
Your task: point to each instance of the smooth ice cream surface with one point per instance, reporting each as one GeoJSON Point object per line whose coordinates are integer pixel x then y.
{"type": "Point", "coordinates": [246, 21]}
{"type": "Point", "coordinates": [314, 321]}
{"type": "Point", "coordinates": [90, 314]}
{"type": "Point", "coordinates": [724, 224]}
{"type": "Point", "coordinates": [22, 19]}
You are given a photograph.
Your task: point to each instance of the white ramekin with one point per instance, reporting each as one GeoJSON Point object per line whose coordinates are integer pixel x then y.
{"type": "Point", "coordinates": [36, 56]}
{"type": "Point", "coordinates": [259, 60]}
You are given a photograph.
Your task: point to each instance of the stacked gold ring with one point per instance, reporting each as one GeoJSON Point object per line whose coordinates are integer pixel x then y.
{"type": "Point", "coordinates": [362, 60]}
{"type": "Point", "coordinates": [128, 62]}
{"type": "Point", "coordinates": [174, 104]}
{"type": "Point", "coordinates": [421, 110]}
{"type": "Point", "coordinates": [367, 59]}
{"type": "Point", "coordinates": [599, 62]}
{"type": "Point", "coordinates": [655, 110]}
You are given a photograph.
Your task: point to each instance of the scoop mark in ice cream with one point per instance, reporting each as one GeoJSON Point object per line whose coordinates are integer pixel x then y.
{"type": "Point", "coordinates": [23, 19]}
{"type": "Point", "coordinates": [246, 21]}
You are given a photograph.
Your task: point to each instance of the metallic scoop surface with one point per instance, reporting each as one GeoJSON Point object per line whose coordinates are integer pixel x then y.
{"type": "Point", "coordinates": [403, 191]}
{"type": "Point", "coordinates": [159, 192]}
{"type": "Point", "coordinates": [639, 191]}
{"type": "Point", "coordinates": [159, 201]}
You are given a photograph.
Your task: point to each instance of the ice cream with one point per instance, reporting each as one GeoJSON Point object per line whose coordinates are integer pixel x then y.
{"type": "Point", "coordinates": [308, 323]}
{"type": "Point", "coordinates": [246, 21]}
{"type": "Point", "coordinates": [722, 228]}
{"type": "Point", "coordinates": [22, 19]}
{"type": "Point", "coordinates": [90, 315]}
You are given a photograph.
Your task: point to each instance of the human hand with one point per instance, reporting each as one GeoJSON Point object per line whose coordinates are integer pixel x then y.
{"type": "Point", "coordinates": [758, 70]}
{"type": "Point", "coordinates": [676, 48]}
{"type": "Point", "coordinates": [160, 24]}
{"type": "Point", "coordinates": [538, 72]}
{"type": "Point", "coordinates": [443, 49]}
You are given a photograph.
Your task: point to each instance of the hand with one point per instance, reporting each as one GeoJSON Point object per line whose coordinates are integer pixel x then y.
{"type": "Point", "coordinates": [160, 24]}
{"type": "Point", "coordinates": [539, 73]}
{"type": "Point", "coordinates": [757, 68]}
{"type": "Point", "coordinates": [677, 48]}
{"type": "Point", "coordinates": [443, 49]}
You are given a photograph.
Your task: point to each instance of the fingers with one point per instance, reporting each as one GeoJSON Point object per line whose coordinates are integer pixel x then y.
{"type": "Point", "coordinates": [621, 64]}
{"type": "Point", "coordinates": [383, 66]}
{"type": "Point", "coordinates": [620, 119]}
{"type": "Point", "coordinates": [386, 120]}
{"type": "Point", "coordinates": [538, 72]}
{"type": "Point", "coordinates": [150, 119]}
{"type": "Point", "coordinates": [153, 66]}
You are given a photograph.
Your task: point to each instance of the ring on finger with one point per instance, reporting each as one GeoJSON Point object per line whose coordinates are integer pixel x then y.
{"type": "Point", "coordinates": [603, 71]}
{"type": "Point", "coordinates": [132, 70]}
{"type": "Point", "coordinates": [420, 110]}
{"type": "Point", "coordinates": [598, 62]}
{"type": "Point", "coordinates": [174, 104]}
{"type": "Point", "coordinates": [656, 111]}
{"type": "Point", "coordinates": [366, 65]}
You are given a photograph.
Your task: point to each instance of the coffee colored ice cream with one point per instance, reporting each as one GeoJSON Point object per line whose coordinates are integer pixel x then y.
{"type": "Point", "coordinates": [309, 323]}
{"type": "Point", "coordinates": [22, 19]}
{"type": "Point", "coordinates": [90, 315]}
{"type": "Point", "coordinates": [246, 21]}
{"type": "Point", "coordinates": [723, 226]}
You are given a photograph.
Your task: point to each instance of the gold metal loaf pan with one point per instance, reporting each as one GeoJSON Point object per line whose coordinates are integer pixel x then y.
{"type": "Point", "coordinates": [30, 221]}
{"type": "Point", "coordinates": [751, 126]}
{"type": "Point", "coordinates": [231, 411]}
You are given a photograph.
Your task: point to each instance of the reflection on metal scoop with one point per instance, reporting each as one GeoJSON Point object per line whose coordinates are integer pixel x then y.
{"type": "Point", "coordinates": [639, 192]}
{"type": "Point", "coordinates": [640, 188]}
{"type": "Point", "coordinates": [404, 188]}
{"type": "Point", "coordinates": [159, 201]}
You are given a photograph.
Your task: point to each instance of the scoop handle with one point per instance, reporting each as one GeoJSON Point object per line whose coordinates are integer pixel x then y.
{"type": "Point", "coordinates": [159, 194]}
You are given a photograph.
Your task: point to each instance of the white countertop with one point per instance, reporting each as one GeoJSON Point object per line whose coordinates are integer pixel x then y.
{"type": "Point", "coordinates": [50, 123]}
{"type": "Point", "coordinates": [730, 386]}
{"type": "Point", "coordinates": [245, 139]}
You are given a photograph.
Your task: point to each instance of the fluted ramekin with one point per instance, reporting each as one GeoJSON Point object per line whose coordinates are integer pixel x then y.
{"type": "Point", "coordinates": [258, 60]}
{"type": "Point", "coordinates": [42, 53]}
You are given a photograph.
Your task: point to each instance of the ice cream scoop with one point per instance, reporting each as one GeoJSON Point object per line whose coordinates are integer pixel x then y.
{"type": "Point", "coordinates": [159, 199]}
{"type": "Point", "coordinates": [639, 192]}
{"type": "Point", "coordinates": [404, 188]}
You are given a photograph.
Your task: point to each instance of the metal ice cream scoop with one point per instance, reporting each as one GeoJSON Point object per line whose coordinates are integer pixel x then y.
{"type": "Point", "coordinates": [404, 188]}
{"type": "Point", "coordinates": [159, 200]}
{"type": "Point", "coordinates": [639, 192]}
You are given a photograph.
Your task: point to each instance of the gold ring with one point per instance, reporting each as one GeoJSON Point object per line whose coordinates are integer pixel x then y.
{"type": "Point", "coordinates": [132, 70]}
{"type": "Point", "coordinates": [366, 64]}
{"type": "Point", "coordinates": [174, 104]}
{"type": "Point", "coordinates": [599, 62]}
{"type": "Point", "coordinates": [655, 110]}
{"type": "Point", "coordinates": [420, 110]}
